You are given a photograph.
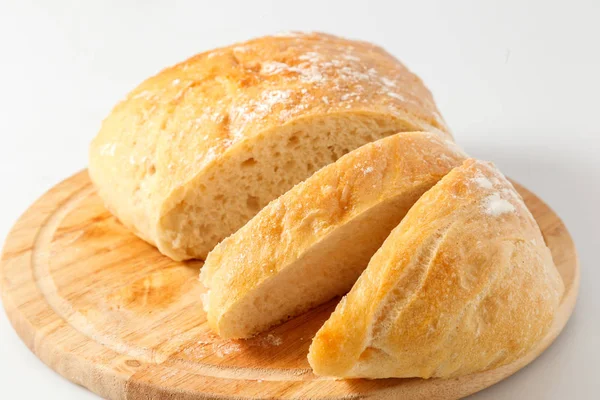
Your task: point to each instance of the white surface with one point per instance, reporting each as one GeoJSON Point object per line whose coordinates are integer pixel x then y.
{"type": "Point", "coordinates": [516, 80]}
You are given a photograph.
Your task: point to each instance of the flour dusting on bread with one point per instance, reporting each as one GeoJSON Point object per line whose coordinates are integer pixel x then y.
{"type": "Point", "coordinates": [483, 182]}
{"type": "Point", "coordinates": [501, 192]}
{"type": "Point", "coordinates": [495, 205]}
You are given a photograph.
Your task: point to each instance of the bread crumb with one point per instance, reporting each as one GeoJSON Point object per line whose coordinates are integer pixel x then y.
{"type": "Point", "coordinates": [226, 349]}
{"type": "Point", "coordinates": [272, 340]}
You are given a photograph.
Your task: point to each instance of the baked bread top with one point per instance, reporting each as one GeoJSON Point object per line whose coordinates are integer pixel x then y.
{"type": "Point", "coordinates": [194, 152]}
{"type": "Point", "coordinates": [464, 284]}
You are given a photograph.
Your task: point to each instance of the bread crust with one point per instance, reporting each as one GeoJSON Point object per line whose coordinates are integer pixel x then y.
{"type": "Point", "coordinates": [391, 173]}
{"type": "Point", "coordinates": [464, 284]}
{"type": "Point", "coordinates": [162, 143]}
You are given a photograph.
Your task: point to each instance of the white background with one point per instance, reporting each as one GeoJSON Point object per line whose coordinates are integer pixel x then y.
{"type": "Point", "coordinates": [518, 82]}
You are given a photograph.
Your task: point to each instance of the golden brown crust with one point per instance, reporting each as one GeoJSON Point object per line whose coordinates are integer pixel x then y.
{"type": "Point", "coordinates": [188, 118]}
{"type": "Point", "coordinates": [399, 168]}
{"type": "Point", "coordinates": [464, 284]}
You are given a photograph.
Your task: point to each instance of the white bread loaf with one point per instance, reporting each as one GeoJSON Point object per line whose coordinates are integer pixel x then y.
{"type": "Point", "coordinates": [197, 150]}
{"type": "Point", "coordinates": [464, 284]}
{"type": "Point", "coordinates": [312, 243]}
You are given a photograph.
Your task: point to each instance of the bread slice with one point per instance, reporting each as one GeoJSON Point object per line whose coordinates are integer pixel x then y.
{"type": "Point", "coordinates": [464, 284]}
{"type": "Point", "coordinates": [197, 150]}
{"type": "Point", "coordinates": [312, 243]}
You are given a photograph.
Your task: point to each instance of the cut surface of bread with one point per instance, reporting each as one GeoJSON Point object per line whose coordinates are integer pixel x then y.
{"type": "Point", "coordinates": [464, 284]}
{"type": "Point", "coordinates": [197, 150]}
{"type": "Point", "coordinates": [312, 243]}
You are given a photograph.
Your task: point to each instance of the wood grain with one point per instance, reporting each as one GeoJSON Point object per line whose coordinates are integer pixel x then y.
{"type": "Point", "coordinates": [107, 311]}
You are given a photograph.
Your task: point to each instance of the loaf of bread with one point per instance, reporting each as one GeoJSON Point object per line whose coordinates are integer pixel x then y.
{"type": "Point", "coordinates": [197, 150]}
{"type": "Point", "coordinates": [312, 243]}
{"type": "Point", "coordinates": [464, 284]}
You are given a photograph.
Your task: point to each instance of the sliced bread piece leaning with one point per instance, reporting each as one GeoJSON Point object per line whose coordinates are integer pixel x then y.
{"type": "Point", "coordinates": [197, 150]}
{"type": "Point", "coordinates": [464, 284]}
{"type": "Point", "coordinates": [312, 243]}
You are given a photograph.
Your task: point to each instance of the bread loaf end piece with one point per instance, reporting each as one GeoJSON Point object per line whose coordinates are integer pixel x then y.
{"type": "Point", "coordinates": [464, 284]}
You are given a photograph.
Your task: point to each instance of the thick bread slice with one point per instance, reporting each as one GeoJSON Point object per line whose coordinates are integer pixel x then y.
{"type": "Point", "coordinates": [464, 284]}
{"type": "Point", "coordinates": [197, 150]}
{"type": "Point", "coordinates": [312, 243]}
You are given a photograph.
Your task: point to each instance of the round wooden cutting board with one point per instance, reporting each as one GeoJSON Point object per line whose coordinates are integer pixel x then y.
{"type": "Point", "coordinates": [107, 311]}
